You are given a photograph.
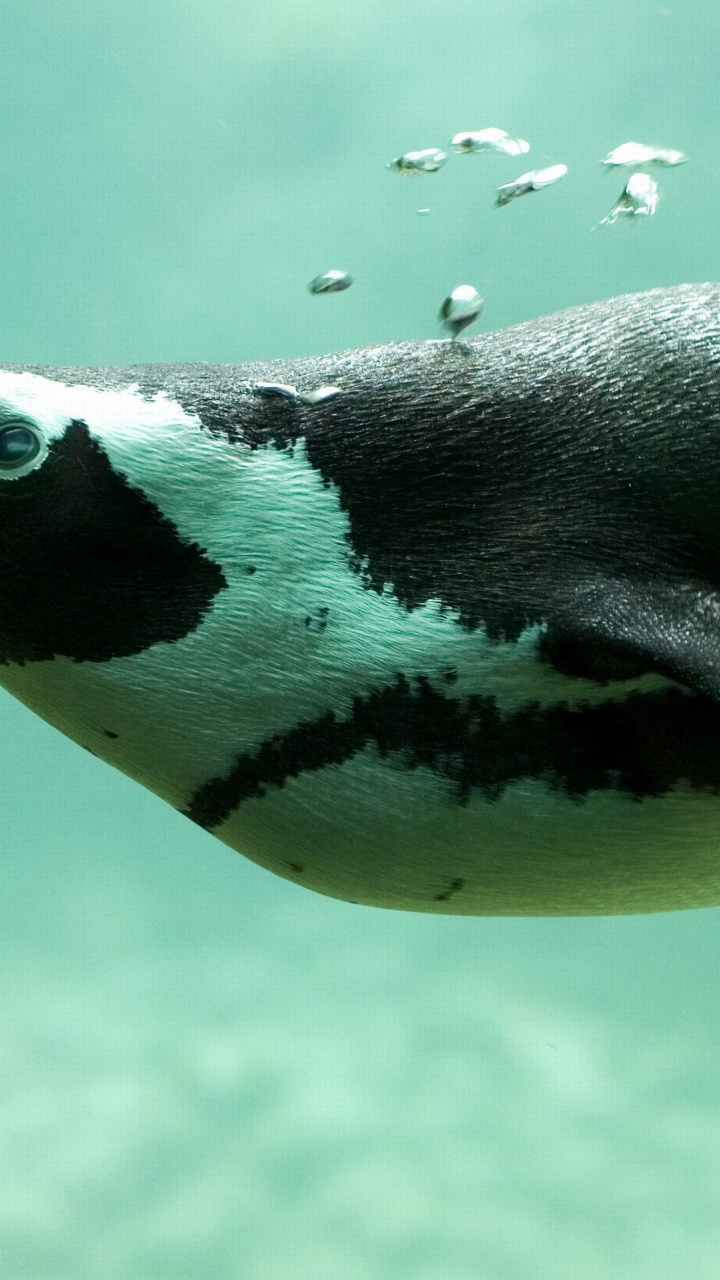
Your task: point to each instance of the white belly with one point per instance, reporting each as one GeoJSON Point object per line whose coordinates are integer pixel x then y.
{"type": "Point", "coordinates": [377, 834]}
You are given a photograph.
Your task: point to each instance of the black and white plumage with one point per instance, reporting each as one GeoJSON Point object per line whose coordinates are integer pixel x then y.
{"type": "Point", "coordinates": [446, 641]}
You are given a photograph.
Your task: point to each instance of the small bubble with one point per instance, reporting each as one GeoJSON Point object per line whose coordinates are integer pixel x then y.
{"type": "Point", "coordinates": [277, 389]}
{"type": "Point", "coordinates": [427, 161]}
{"type": "Point", "coordinates": [639, 199]}
{"type": "Point", "coordinates": [319, 395]}
{"type": "Point", "coordinates": [633, 155]}
{"type": "Point", "coordinates": [535, 180]}
{"type": "Point", "coordinates": [489, 140]}
{"type": "Point", "coordinates": [461, 308]}
{"type": "Point", "coordinates": [333, 281]}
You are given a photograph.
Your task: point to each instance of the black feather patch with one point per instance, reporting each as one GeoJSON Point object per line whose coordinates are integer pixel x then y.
{"type": "Point", "coordinates": [89, 567]}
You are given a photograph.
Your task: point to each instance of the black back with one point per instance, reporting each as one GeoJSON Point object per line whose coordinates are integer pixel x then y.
{"type": "Point", "coordinates": [565, 471]}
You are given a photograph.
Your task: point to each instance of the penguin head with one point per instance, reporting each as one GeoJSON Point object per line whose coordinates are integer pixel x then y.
{"type": "Point", "coordinates": [94, 486]}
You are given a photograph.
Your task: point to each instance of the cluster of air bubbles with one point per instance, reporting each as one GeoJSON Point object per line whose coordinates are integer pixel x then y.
{"type": "Point", "coordinates": [481, 142]}
{"type": "Point", "coordinates": [462, 307]}
{"type": "Point", "coordinates": [640, 195]}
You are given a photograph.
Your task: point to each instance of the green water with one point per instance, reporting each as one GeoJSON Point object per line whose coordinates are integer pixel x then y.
{"type": "Point", "coordinates": [205, 1072]}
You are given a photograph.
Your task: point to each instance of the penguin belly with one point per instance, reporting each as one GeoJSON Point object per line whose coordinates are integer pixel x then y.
{"type": "Point", "coordinates": [372, 834]}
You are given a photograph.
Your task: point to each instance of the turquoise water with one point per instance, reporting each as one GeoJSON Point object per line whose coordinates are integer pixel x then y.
{"type": "Point", "coordinates": [207, 1073]}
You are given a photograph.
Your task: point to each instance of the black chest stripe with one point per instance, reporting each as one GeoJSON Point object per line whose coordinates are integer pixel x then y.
{"type": "Point", "coordinates": [642, 746]}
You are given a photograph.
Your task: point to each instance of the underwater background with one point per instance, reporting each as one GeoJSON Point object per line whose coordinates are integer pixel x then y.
{"type": "Point", "coordinates": [207, 1073]}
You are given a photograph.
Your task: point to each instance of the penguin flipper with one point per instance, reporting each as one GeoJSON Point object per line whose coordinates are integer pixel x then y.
{"type": "Point", "coordinates": [609, 629]}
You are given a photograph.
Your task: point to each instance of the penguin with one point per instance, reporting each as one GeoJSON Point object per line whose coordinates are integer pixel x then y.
{"type": "Point", "coordinates": [432, 626]}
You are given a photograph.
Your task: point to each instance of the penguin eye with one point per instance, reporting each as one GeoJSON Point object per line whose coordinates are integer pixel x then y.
{"type": "Point", "coordinates": [19, 445]}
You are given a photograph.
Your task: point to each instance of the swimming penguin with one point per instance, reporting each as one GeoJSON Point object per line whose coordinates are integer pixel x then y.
{"type": "Point", "coordinates": [446, 639]}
